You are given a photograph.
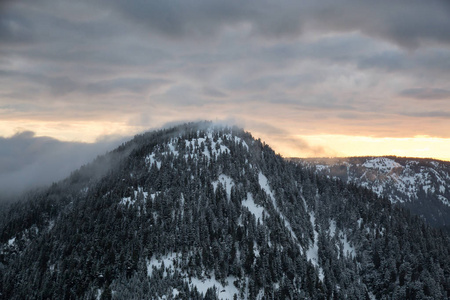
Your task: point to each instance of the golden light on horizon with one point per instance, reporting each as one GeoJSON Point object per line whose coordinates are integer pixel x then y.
{"type": "Point", "coordinates": [347, 145]}
{"type": "Point", "coordinates": [81, 131]}
{"type": "Point", "coordinates": [288, 145]}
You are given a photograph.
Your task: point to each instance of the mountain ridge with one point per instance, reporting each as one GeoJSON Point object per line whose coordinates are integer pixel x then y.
{"type": "Point", "coordinates": [200, 211]}
{"type": "Point", "coordinates": [422, 185]}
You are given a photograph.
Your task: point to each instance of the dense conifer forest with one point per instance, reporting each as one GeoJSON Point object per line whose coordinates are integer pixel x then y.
{"type": "Point", "coordinates": [202, 211]}
{"type": "Point", "coordinates": [422, 185]}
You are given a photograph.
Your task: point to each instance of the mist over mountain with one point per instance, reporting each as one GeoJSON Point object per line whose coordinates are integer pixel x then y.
{"type": "Point", "coordinates": [28, 161]}
{"type": "Point", "coordinates": [201, 211]}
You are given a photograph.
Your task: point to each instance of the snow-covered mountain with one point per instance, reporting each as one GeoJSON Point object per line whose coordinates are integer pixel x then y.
{"type": "Point", "coordinates": [200, 211]}
{"type": "Point", "coordinates": [422, 185]}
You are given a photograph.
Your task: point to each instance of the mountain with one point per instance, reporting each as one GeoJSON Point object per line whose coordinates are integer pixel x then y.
{"type": "Point", "coordinates": [421, 185]}
{"type": "Point", "coordinates": [201, 211]}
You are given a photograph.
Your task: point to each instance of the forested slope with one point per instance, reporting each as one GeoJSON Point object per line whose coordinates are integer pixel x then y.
{"type": "Point", "coordinates": [201, 211]}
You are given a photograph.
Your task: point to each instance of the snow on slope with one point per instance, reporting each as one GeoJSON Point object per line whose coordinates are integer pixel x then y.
{"type": "Point", "coordinates": [168, 265]}
{"type": "Point", "coordinates": [225, 292]}
{"type": "Point", "coordinates": [254, 208]}
{"type": "Point", "coordinates": [227, 183]}
{"type": "Point", "coordinates": [382, 164]}
{"type": "Point", "coordinates": [130, 200]}
{"type": "Point", "coordinates": [399, 180]}
{"type": "Point", "coordinates": [207, 146]}
{"type": "Point", "coordinates": [264, 184]}
{"type": "Point", "coordinates": [313, 252]}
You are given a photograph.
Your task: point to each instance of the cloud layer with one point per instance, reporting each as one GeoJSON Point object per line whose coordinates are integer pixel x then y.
{"type": "Point", "coordinates": [77, 70]}
{"type": "Point", "coordinates": [27, 161]}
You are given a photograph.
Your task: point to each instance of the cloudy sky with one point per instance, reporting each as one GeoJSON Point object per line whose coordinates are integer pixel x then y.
{"type": "Point", "coordinates": [311, 78]}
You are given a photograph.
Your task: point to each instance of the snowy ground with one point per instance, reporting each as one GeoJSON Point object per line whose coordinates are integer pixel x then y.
{"type": "Point", "coordinates": [254, 208]}
{"type": "Point", "coordinates": [202, 284]}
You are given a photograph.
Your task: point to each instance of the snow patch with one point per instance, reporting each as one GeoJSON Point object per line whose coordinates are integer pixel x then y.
{"type": "Point", "coordinates": [224, 292]}
{"type": "Point", "coordinates": [264, 184]}
{"type": "Point", "coordinates": [254, 208]}
{"type": "Point", "coordinates": [312, 253]}
{"type": "Point", "coordinates": [175, 292]}
{"type": "Point", "coordinates": [360, 220]}
{"type": "Point", "coordinates": [137, 193]}
{"type": "Point", "coordinates": [50, 225]}
{"type": "Point", "coordinates": [227, 183]}
{"type": "Point", "coordinates": [332, 228]}
{"type": "Point", "coordinates": [348, 250]}
{"type": "Point", "coordinates": [227, 291]}
{"type": "Point", "coordinates": [238, 140]}
{"type": "Point", "coordinates": [217, 147]}
{"type": "Point", "coordinates": [382, 164]}
{"type": "Point", "coordinates": [320, 168]}
{"type": "Point", "coordinates": [260, 294]}
{"type": "Point", "coordinates": [196, 144]}
{"type": "Point", "coordinates": [168, 261]}
{"type": "Point", "coordinates": [172, 148]}
{"type": "Point", "coordinates": [150, 160]}
{"type": "Point", "coordinates": [444, 200]}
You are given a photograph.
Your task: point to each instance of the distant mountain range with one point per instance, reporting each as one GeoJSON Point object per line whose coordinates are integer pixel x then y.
{"type": "Point", "coordinates": [421, 185]}
{"type": "Point", "coordinates": [201, 211]}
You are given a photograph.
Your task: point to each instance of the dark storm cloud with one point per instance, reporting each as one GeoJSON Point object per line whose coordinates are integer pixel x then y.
{"type": "Point", "coordinates": [15, 29]}
{"type": "Point", "coordinates": [426, 93]}
{"type": "Point", "coordinates": [428, 114]}
{"type": "Point", "coordinates": [109, 54]}
{"type": "Point", "coordinates": [181, 18]}
{"type": "Point", "coordinates": [73, 39]}
{"type": "Point", "coordinates": [27, 161]}
{"type": "Point", "coordinates": [406, 23]}
{"type": "Point", "coordinates": [324, 103]}
{"type": "Point", "coordinates": [432, 62]}
{"type": "Point", "coordinates": [133, 85]}
{"type": "Point", "coordinates": [213, 92]}
{"type": "Point", "coordinates": [61, 85]}
{"type": "Point", "coordinates": [387, 61]}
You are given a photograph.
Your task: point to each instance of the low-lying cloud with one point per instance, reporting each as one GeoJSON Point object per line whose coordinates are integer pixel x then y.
{"type": "Point", "coordinates": [28, 161]}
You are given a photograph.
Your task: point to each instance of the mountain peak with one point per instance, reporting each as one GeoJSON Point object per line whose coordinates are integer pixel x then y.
{"type": "Point", "coordinates": [200, 211]}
